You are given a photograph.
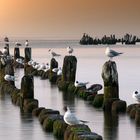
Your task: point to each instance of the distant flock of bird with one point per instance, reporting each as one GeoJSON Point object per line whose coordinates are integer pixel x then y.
{"type": "Point", "coordinates": [69, 117]}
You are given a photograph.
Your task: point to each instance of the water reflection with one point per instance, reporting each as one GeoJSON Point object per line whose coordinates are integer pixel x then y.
{"type": "Point", "coordinates": [110, 126]}
{"type": "Point", "coordinates": [68, 98]}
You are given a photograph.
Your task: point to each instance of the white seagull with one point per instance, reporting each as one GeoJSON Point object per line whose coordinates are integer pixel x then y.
{"type": "Point", "coordinates": [5, 51]}
{"type": "Point", "coordinates": [8, 77]}
{"type": "Point", "coordinates": [80, 84]}
{"type": "Point", "coordinates": [59, 72]}
{"type": "Point", "coordinates": [111, 53]}
{"type": "Point", "coordinates": [136, 96]}
{"type": "Point", "coordinates": [70, 118]}
{"type": "Point", "coordinates": [18, 44]}
{"type": "Point", "coordinates": [69, 50]}
{"type": "Point", "coordinates": [20, 61]}
{"type": "Point", "coordinates": [53, 53]}
{"type": "Point", "coordinates": [26, 43]}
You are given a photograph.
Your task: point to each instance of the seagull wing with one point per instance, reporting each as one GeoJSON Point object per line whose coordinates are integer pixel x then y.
{"type": "Point", "coordinates": [115, 53]}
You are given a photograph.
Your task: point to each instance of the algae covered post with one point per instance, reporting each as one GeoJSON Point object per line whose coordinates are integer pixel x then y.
{"type": "Point", "coordinates": [27, 58]}
{"type": "Point", "coordinates": [69, 69]}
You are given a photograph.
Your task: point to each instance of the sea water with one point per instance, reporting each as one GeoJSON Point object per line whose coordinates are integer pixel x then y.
{"type": "Point", "coordinates": [90, 60]}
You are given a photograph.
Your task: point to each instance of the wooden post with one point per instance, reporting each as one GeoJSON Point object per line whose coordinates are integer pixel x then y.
{"type": "Point", "coordinates": [53, 64]}
{"type": "Point", "coordinates": [69, 69]}
{"type": "Point", "coordinates": [27, 89]}
{"type": "Point", "coordinates": [27, 54]}
{"type": "Point", "coordinates": [6, 40]}
{"type": "Point", "coordinates": [111, 85]}
{"type": "Point", "coordinates": [10, 71]}
{"type": "Point", "coordinates": [27, 58]}
{"type": "Point", "coordinates": [16, 53]}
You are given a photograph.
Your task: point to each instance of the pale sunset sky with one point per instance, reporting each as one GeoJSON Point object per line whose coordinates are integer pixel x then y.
{"type": "Point", "coordinates": [68, 19]}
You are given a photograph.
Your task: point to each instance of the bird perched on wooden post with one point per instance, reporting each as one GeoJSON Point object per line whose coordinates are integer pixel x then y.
{"type": "Point", "coordinates": [136, 96]}
{"type": "Point", "coordinates": [26, 43]}
{"type": "Point", "coordinates": [111, 53]}
{"type": "Point", "coordinates": [70, 118]}
{"type": "Point", "coordinates": [70, 50]}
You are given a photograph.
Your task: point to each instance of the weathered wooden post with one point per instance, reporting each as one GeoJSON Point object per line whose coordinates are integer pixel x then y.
{"type": "Point", "coordinates": [6, 40]}
{"type": "Point", "coordinates": [69, 69]}
{"type": "Point", "coordinates": [53, 75]}
{"type": "Point", "coordinates": [9, 70]}
{"type": "Point", "coordinates": [68, 73]}
{"type": "Point", "coordinates": [16, 53]}
{"type": "Point", "coordinates": [27, 87]}
{"type": "Point", "coordinates": [2, 71]}
{"type": "Point", "coordinates": [27, 101]}
{"type": "Point", "coordinates": [53, 63]}
{"type": "Point", "coordinates": [27, 58]}
{"type": "Point", "coordinates": [111, 85]}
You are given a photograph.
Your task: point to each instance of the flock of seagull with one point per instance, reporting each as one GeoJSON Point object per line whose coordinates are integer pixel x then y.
{"type": "Point", "coordinates": [69, 117]}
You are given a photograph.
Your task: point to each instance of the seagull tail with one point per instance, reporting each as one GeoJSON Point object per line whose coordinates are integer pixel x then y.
{"type": "Point", "coordinates": [84, 121]}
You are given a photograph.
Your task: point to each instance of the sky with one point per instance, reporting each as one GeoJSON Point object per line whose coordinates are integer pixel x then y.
{"type": "Point", "coordinates": [68, 19]}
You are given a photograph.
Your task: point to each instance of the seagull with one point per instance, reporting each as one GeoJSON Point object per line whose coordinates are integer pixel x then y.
{"type": "Point", "coordinates": [136, 96]}
{"type": "Point", "coordinates": [8, 77]}
{"type": "Point", "coordinates": [3, 60]}
{"type": "Point", "coordinates": [95, 88]}
{"type": "Point", "coordinates": [53, 53]}
{"type": "Point", "coordinates": [111, 53]}
{"type": "Point", "coordinates": [59, 72]}
{"type": "Point", "coordinates": [70, 118]}
{"type": "Point", "coordinates": [5, 51]}
{"type": "Point", "coordinates": [80, 84]}
{"type": "Point", "coordinates": [55, 70]}
{"type": "Point", "coordinates": [20, 61]}
{"type": "Point", "coordinates": [69, 50]}
{"type": "Point", "coordinates": [18, 44]}
{"type": "Point", "coordinates": [26, 43]}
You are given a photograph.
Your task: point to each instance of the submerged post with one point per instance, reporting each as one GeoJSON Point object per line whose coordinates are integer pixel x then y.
{"type": "Point", "coordinates": [69, 69]}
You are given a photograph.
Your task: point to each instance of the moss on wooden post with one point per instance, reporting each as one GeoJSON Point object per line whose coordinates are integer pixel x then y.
{"type": "Point", "coordinates": [69, 69]}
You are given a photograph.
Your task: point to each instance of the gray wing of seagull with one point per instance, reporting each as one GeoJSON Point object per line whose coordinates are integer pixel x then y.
{"type": "Point", "coordinates": [55, 54]}
{"type": "Point", "coordinates": [114, 53]}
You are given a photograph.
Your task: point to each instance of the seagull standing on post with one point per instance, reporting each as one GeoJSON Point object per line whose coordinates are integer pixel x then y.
{"type": "Point", "coordinates": [69, 50]}
{"type": "Point", "coordinates": [26, 43]}
{"type": "Point", "coordinates": [111, 53]}
{"type": "Point", "coordinates": [70, 118]}
{"type": "Point", "coordinates": [136, 96]}
{"type": "Point", "coordinates": [18, 44]}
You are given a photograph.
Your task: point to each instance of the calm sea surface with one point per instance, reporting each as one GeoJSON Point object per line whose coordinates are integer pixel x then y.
{"type": "Point", "coordinates": [90, 60]}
